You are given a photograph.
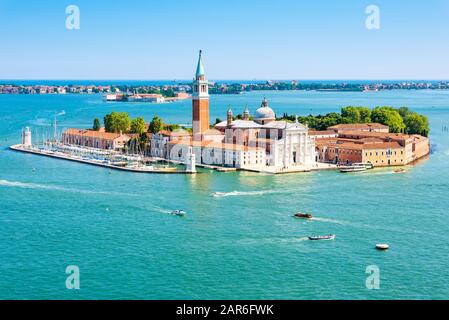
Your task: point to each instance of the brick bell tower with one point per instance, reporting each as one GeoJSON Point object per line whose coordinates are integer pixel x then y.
{"type": "Point", "coordinates": [200, 102]}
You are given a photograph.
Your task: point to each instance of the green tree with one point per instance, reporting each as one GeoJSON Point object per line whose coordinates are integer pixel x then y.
{"type": "Point", "coordinates": [417, 124]}
{"type": "Point", "coordinates": [156, 125]}
{"type": "Point", "coordinates": [168, 93]}
{"type": "Point", "coordinates": [404, 112]}
{"type": "Point", "coordinates": [389, 117]}
{"type": "Point", "coordinates": [97, 125]}
{"type": "Point", "coordinates": [365, 114]}
{"type": "Point", "coordinates": [138, 125]}
{"type": "Point", "coordinates": [351, 114]}
{"type": "Point", "coordinates": [330, 119]}
{"type": "Point", "coordinates": [117, 122]}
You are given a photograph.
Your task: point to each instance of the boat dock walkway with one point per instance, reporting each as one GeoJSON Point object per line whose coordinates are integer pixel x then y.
{"type": "Point", "coordinates": [21, 148]}
{"type": "Point", "coordinates": [201, 165]}
{"type": "Point", "coordinates": [292, 169]}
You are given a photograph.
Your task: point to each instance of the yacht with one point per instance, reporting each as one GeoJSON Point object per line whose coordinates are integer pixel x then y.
{"type": "Point", "coordinates": [355, 167]}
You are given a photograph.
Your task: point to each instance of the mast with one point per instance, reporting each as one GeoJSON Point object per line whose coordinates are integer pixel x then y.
{"type": "Point", "coordinates": [55, 128]}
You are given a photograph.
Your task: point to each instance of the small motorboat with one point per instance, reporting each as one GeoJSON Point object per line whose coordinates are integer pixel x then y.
{"type": "Point", "coordinates": [303, 215]}
{"type": "Point", "coordinates": [316, 238]}
{"type": "Point", "coordinates": [400, 170]}
{"type": "Point", "coordinates": [179, 213]}
{"type": "Point", "coordinates": [382, 246]}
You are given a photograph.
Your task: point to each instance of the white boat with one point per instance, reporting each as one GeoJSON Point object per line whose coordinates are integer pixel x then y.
{"type": "Point", "coordinates": [316, 238]}
{"type": "Point", "coordinates": [382, 246]}
{"type": "Point", "coordinates": [355, 167]}
{"type": "Point", "coordinates": [180, 213]}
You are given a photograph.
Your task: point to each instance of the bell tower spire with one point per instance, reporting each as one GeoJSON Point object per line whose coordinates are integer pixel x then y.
{"type": "Point", "coordinates": [200, 68]}
{"type": "Point", "coordinates": [200, 101]}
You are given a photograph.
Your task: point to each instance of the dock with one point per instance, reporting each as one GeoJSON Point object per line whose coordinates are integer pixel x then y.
{"type": "Point", "coordinates": [21, 148]}
{"type": "Point", "coordinates": [200, 165]}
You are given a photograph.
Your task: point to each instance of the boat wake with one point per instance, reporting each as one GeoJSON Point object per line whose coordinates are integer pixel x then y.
{"type": "Point", "coordinates": [161, 210]}
{"type": "Point", "coordinates": [242, 193]}
{"type": "Point", "coordinates": [379, 173]}
{"type": "Point", "coordinates": [346, 223]}
{"type": "Point", "coordinates": [27, 185]}
{"type": "Point", "coordinates": [271, 240]}
{"type": "Point", "coordinates": [330, 221]}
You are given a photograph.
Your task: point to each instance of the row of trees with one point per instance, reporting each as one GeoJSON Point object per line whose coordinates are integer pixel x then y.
{"type": "Point", "coordinates": [400, 120]}
{"type": "Point", "coordinates": [117, 122]}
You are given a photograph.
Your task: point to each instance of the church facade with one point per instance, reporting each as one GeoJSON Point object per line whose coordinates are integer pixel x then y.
{"type": "Point", "coordinates": [254, 142]}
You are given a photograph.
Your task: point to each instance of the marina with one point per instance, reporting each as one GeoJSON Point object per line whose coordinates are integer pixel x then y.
{"type": "Point", "coordinates": [110, 164]}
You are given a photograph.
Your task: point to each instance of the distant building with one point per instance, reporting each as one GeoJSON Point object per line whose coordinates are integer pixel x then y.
{"type": "Point", "coordinates": [114, 97]}
{"type": "Point", "coordinates": [146, 97]}
{"type": "Point", "coordinates": [182, 95]}
{"type": "Point", "coordinates": [378, 148]}
{"type": "Point", "coordinates": [364, 127]}
{"type": "Point", "coordinates": [159, 142]}
{"type": "Point", "coordinates": [323, 134]}
{"type": "Point", "coordinates": [95, 139]}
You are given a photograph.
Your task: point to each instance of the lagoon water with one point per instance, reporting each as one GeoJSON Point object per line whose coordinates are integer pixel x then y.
{"type": "Point", "coordinates": [244, 244]}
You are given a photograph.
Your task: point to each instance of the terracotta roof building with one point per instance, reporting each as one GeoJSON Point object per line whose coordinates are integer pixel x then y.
{"type": "Point", "coordinates": [363, 127]}
{"type": "Point", "coordinates": [95, 139]}
{"type": "Point", "coordinates": [376, 147]}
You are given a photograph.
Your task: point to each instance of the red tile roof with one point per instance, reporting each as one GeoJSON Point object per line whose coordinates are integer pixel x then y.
{"type": "Point", "coordinates": [92, 134]}
{"type": "Point", "coordinates": [214, 144]}
{"type": "Point", "coordinates": [174, 133]}
{"type": "Point", "coordinates": [356, 126]}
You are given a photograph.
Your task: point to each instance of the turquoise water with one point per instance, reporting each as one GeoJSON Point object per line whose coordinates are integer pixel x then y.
{"type": "Point", "coordinates": [116, 228]}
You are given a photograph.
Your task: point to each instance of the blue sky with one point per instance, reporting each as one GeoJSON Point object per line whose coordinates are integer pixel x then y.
{"type": "Point", "coordinates": [284, 39]}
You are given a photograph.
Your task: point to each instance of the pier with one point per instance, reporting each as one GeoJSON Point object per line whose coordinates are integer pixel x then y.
{"type": "Point", "coordinates": [60, 155]}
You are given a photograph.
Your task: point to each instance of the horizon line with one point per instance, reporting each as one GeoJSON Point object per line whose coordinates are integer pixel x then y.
{"type": "Point", "coordinates": [242, 79]}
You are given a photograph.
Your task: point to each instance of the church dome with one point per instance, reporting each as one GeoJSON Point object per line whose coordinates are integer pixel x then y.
{"type": "Point", "coordinates": [264, 113]}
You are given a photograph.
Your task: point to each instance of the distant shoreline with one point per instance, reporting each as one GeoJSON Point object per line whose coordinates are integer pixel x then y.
{"type": "Point", "coordinates": [171, 88]}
